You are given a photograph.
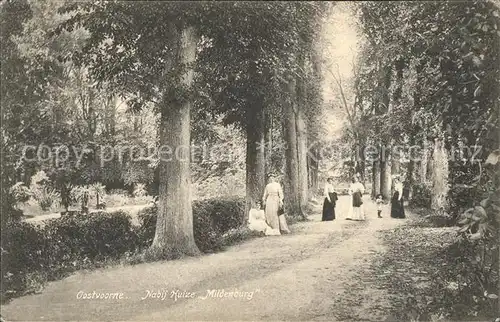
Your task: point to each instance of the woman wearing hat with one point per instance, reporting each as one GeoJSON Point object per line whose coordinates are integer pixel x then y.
{"type": "Point", "coordinates": [329, 202]}
{"type": "Point", "coordinates": [397, 208]}
{"type": "Point", "coordinates": [273, 201]}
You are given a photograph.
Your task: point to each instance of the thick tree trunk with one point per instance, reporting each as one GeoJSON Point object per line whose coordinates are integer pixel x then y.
{"type": "Point", "coordinates": [174, 228]}
{"type": "Point", "coordinates": [302, 155]}
{"type": "Point", "coordinates": [424, 159]}
{"type": "Point", "coordinates": [302, 134]}
{"type": "Point", "coordinates": [255, 156]}
{"type": "Point", "coordinates": [439, 176]}
{"type": "Point", "coordinates": [292, 185]}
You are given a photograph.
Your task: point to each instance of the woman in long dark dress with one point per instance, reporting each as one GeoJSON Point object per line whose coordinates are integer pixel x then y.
{"type": "Point", "coordinates": [329, 202]}
{"type": "Point", "coordinates": [397, 207]}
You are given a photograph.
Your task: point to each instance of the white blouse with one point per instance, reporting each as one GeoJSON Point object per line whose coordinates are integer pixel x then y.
{"type": "Point", "coordinates": [273, 188]}
{"type": "Point", "coordinates": [399, 188]}
{"type": "Point", "coordinates": [328, 189]}
{"type": "Point", "coordinates": [256, 214]}
{"type": "Point", "coordinates": [357, 186]}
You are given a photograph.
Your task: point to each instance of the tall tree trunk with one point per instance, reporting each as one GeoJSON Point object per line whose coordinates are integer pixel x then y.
{"type": "Point", "coordinates": [415, 165]}
{"type": "Point", "coordinates": [174, 228]}
{"type": "Point", "coordinates": [292, 185]}
{"type": "Point", "coordinates": [398, 93]}
{"type": "Point", "coordinates": [385, 165]}
{"type": "Point", "coordinates": [385, 172]}
{"type": "Point", "coordinates": [269, 123]}
{"type": "Point", "coordinates": [410, 176]}
{"type": "Point", "coordinates": [395, 158]}
{"type": "Point", "coordinates": [376, 178]}
{"type": "Point", "coordinates": [313, 169]}
{"type": "Point", "coordinates": [360, 160]}
{"type": "Point", "coordinates": [255, 155]}
{"type": "Point", "coordinates": [439, 176]}
{"type": "Point", "coordinates": [302, 155]}
{"type": "Point", "coordinates": [429, 169]}
{"type": "Point", "coordinates": [301, 130]}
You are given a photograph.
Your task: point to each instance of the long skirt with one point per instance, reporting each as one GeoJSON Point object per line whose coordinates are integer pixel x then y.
{"type": "Point", "coordinates": [329, 208]}
{"type": "Point", "coordinates": [356, 211]}
{"type": "Point", "coordinates": [272, 208]}
{"type": "Point", "coordinates": [397, 208]}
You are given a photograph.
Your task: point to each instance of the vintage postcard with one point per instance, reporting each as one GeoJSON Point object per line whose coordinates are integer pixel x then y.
{"type": "Point", "coordinates": [250, 160]}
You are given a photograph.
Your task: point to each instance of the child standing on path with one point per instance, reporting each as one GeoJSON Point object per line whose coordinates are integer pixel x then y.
{"type": "Point", "coordinates": [379, 203]}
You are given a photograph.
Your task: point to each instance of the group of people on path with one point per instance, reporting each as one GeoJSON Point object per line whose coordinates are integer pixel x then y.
{"type": "Point", "coordinates": [268, 216]}
{"type": "Point", "coordinates": [356, 210]}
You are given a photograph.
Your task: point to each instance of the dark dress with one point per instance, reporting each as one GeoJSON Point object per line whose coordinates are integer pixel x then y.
{"type": "Point", "coordinates": [397, 208]}
{"type": "Point", "coordinates": [329, 207]}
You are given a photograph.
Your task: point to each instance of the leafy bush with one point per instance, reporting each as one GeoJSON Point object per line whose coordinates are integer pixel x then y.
{"type": "Point", "coordinates": [212, 218]}
{"type": "Point", "coordinates": [20, 192]}
{"type": "Point", "coordinates": [93, 236]}
{"type": "Point", "coordinates": [227, 213]}
{"type": "Point", "coordinates": [46, 198]}
{"type": "Point", "coordinates": [147, 224]}
{"type": "Point", "coordinates": [140, 190]}
{"type": "Point", "coordinates": [421, 196]}
{"type": "Point", "coordinates": [21, 254]}
{"type": "Point", "coordinates": [61, 246]}
{"type": "Point", "coordinates": [41, 191]}
{"type": "Point", "coordinates": [32, 255]}
{"type": "Point", "coordinates": [93, 191]}
{"type": "Point", "coordinates": [461, 198]}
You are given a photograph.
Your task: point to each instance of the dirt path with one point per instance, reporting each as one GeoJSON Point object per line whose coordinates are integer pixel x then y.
{"type": "Point", "coordinates": [301, 276]}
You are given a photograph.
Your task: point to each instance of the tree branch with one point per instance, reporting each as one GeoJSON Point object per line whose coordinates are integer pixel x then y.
{"type": "Point", "coordinates": [346, 106]}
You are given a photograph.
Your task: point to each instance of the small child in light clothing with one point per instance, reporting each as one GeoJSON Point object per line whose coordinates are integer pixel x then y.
{"type": "Point", "coordinates": [379, 201]}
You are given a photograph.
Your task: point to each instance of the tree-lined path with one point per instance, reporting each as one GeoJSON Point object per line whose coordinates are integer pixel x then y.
{"type": "Point", "coordinates": [297, 277]}
{"type": "Point", "coordinates": [190, 107]}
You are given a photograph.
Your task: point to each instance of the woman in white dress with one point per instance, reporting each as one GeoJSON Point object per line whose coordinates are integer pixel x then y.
{"type": "Point", "coordinates": [356, 190]}
{"type": "Point", "coordinates": [257, 220]}
{"type": "Point", "coordinates": [273, 201]}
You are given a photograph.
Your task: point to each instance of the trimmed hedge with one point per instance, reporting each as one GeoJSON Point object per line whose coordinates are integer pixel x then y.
{"type": "Point", "coordinates": [63, 245]}
{"type": "Point", "coordinates": [34, 254]}
{"type": "Point", "coordinates": [212, 218]}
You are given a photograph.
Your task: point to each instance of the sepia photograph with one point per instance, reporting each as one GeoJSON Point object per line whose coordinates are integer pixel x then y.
{"type": "Point", "coordinates": [250, 160]}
